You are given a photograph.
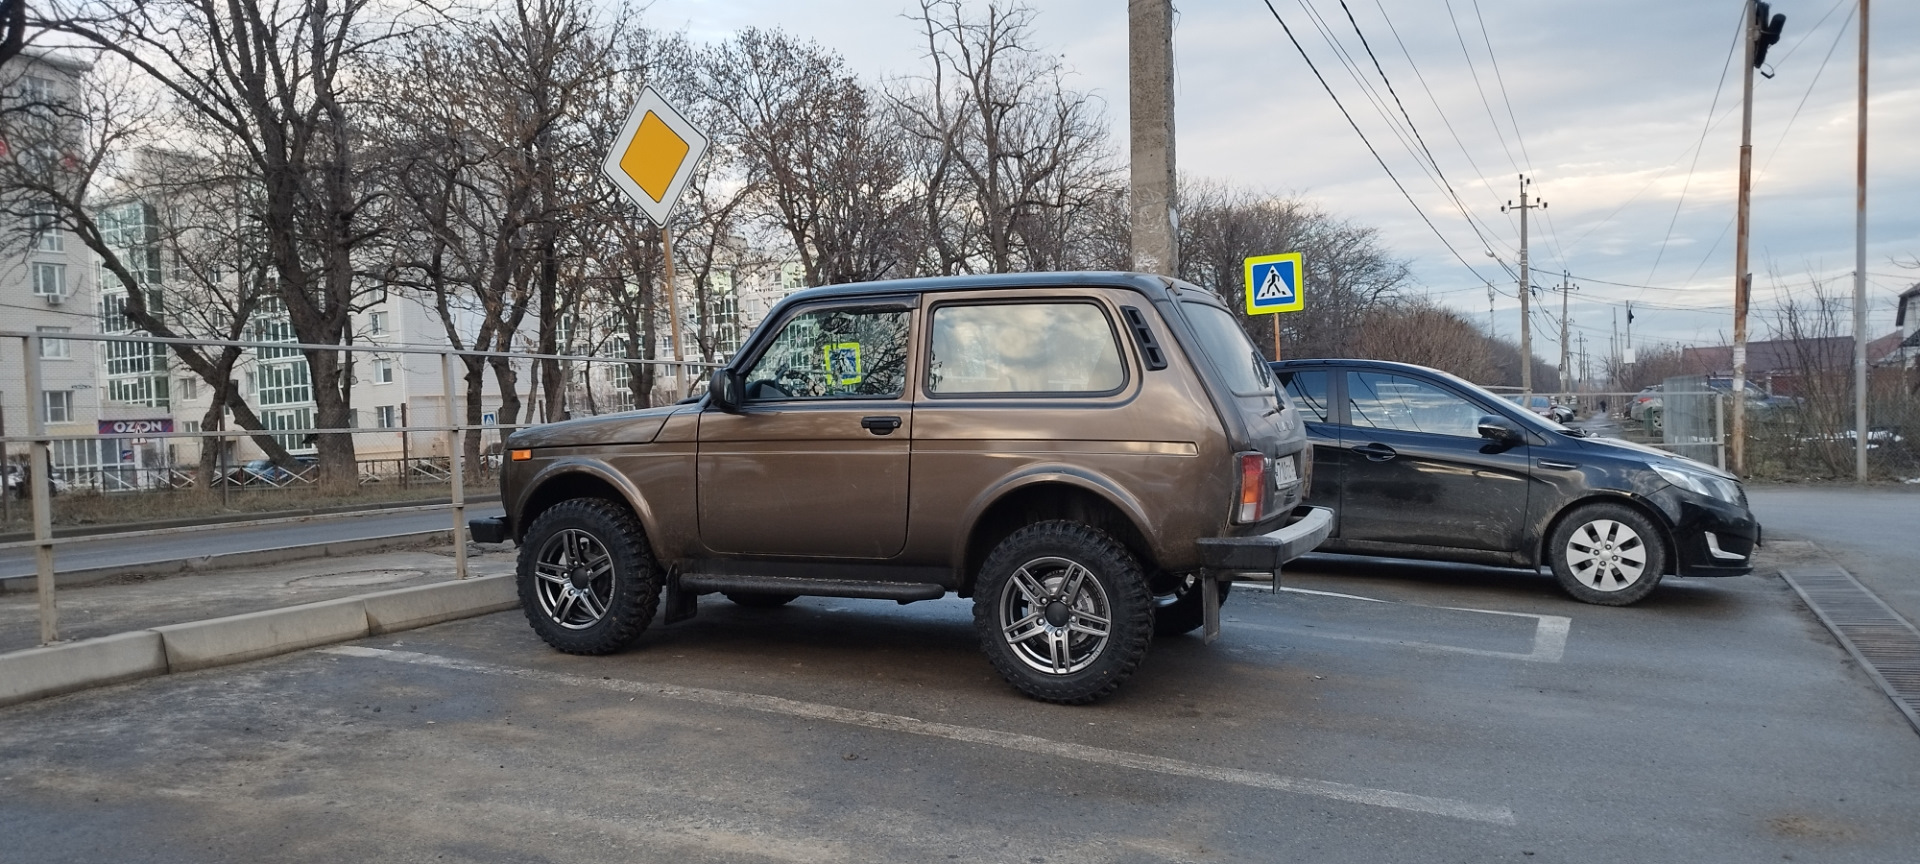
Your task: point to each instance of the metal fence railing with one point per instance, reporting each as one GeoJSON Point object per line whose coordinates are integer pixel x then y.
{"type": "Point", "coordinates": [431, 455]}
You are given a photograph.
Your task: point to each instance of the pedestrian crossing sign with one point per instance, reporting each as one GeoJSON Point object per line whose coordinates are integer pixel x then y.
{"type": "Point", "coordinates": [1273, 284]}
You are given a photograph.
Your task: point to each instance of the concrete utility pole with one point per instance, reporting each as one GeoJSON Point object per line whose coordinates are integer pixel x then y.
{"type": "Point", "coordinates": [1760, 33]}
{"type": "Point", "coordinates": [1525, 282]}
{"type": "Point", "coordinates": [1860, 272]}
{"type": "Point", "coordinates": [1565, 322]}
{"type": "Point", "coordinates": [1150, 127]}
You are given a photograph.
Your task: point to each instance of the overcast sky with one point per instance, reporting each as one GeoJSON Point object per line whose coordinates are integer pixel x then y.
{"type": "Point", "coordinates": [1611, 100]}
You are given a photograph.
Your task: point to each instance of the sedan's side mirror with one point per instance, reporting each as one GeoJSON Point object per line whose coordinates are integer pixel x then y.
{"type": "Point", "coordinates": [725, 390]}
{"type": "Point", "coordinates": [1498, 430]}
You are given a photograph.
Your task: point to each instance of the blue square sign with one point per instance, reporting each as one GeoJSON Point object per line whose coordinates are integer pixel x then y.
{"type": "Point", "coordinates": [1273, 284]}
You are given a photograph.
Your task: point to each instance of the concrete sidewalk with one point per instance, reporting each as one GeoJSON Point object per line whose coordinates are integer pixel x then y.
{"type": "Point", "coordinates": [139, 627]}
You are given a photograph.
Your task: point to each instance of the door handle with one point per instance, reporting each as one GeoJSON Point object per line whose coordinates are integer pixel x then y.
{"type": "Point", "coordinates": [1376, 452]}
{"type": "Point", "coordinates": [880, 425]}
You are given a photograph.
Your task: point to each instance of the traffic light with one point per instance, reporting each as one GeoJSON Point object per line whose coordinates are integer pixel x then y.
{"type": "Point", "coordinates": [1766, 32]}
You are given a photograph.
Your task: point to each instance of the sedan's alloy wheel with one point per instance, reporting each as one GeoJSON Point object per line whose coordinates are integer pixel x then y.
{"type": "Point", "coordinates": [1605, 555]}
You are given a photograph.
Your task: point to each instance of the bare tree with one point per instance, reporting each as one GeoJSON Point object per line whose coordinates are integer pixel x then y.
{"type": "Point", "coordinates": [1008, 154]}
{"type": "Point", "coordinates": [278, 81]}
{"type": "Point", "coordinates": [67, 161]}
{"type": "Point", "coordinates": [825, 165]}
{"type": "Point", "coordinates": [1422, 332]}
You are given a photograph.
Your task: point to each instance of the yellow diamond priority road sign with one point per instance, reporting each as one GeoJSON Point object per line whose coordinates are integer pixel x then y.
{"type": "Point", "coordinates": [654, 154]}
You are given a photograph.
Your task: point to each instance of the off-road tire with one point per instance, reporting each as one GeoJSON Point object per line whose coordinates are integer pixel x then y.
{"type": "Point", "coordinates": [761, 601]}
{"type": "Point", "coordinates": [1112, 585]}
{"type": "Point", "coordinates": [630, 589]}
{"type": "Point", "coordinates": [1607, 554]}
{"type": "Point", "coordinates": [1180, 611]}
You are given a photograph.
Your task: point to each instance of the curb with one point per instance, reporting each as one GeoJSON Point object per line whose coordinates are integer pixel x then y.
{"type": "Point", "coordinates": [37, 673]}
{"type": "Point", "coordinates": [252, 558]}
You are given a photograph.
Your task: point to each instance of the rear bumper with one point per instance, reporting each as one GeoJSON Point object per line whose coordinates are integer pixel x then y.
{"type": "Point", "coordinates": [1265, 553]}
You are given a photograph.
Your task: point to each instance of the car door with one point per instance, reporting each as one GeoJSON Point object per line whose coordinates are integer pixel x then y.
{"type": "Point", "coordinates": [1310, 389]}
{"type": "Point", "coordinates": [1417, 471]}
{"type": "Point", "coordinates": [815, 462]}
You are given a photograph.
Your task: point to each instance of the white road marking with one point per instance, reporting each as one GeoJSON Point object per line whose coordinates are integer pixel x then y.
{"type": "Point", "coordinates": [992, 737]}
{"type": "Point", "coordinates": [1549, 632]}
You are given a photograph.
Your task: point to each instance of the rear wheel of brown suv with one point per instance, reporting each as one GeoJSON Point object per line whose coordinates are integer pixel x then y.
{"type": "Point", "coordinates": [588, 583]}
{"type": "Point", "coordinates": [1063, 612]}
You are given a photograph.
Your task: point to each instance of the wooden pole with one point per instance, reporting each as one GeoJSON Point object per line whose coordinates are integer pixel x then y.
{"type": "Point", "coordinates": [673, 311]}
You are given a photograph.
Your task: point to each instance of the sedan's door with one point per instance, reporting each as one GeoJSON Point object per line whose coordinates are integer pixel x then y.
{"type": "Point", "coordinates": [1418, 472]}
{"type": "Point", "coordinates": [815, 461]}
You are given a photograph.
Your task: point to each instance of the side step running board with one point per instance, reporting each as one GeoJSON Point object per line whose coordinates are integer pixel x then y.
{"type": "Point", "coordinates": [903, 592]}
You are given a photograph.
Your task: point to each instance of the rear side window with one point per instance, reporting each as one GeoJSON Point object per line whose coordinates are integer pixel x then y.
{"type": "Point", "coordinates": [1226, 345]}
{"type": "Point", "coordinates": [1308, 390]}
{"type": "Point", "coordinates": [1024, 348]}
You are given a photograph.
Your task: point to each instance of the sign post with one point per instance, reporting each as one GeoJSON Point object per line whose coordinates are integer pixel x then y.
{"type": "Point", "coordinates": [650, 161]}
{"type": "Point", "coordinates": [1273, 286]}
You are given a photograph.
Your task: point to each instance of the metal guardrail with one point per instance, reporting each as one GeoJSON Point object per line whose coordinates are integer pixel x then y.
{"type": "Point", "coordinates": [39, 443]}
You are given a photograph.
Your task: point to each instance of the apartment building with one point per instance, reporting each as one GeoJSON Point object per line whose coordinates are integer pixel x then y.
{"type": "Point", "coordinates": [47, 284]}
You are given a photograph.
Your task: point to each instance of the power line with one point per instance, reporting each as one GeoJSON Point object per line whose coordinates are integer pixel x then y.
{"type": "Point", "coordinates": [1451, 193]}
{"type": "Point", "coordinates": [1482, 175]}
{"type": "Point", "coordinates": [1363, 139]}
{"type": "Point", "coordinates": [1701, 146]}
{"type": "Point", "coordinates": [1477, 86]}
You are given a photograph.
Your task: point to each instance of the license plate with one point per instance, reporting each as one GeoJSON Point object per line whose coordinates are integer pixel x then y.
{"type": "Point", "coordinates": [1284, 474]}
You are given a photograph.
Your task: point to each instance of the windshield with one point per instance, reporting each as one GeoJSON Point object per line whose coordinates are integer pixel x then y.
{"type": "Point", "coordinates": [1226, 345]}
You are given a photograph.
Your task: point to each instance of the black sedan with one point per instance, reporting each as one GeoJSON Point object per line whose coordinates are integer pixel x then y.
{"type": "Point", "coordinates": [1417, 463]}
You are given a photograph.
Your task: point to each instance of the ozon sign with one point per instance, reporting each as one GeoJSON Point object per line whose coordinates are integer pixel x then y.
{"type": "Point", "coordinates": [135, 427]}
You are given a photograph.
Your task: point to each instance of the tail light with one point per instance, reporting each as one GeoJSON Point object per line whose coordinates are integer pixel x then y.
{"type": "Point", "coordinates": [1253, 487]}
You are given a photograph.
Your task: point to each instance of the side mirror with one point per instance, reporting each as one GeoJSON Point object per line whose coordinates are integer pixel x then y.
{"type": "Point", "coordinates": [1497, 429]}
{"type": "Point", "coordinates": [725, 390]}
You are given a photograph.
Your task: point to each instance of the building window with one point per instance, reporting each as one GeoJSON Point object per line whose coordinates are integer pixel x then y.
{"type": "Point", "coordinates": [383, 371]}
{"type": "Point", "coordinates": [284, 383]}
{"type": "Point", "coordinates": [132, 231]}
{"type": "Point", "coordinates": [59, 406]}
{"type": "Point", "coordinates": [55, 349]}
{"type": "Point", "coordinates": [298, 418]}
{"type": "Point", "coordinates": [46, 229]}
{"type": "Point", "coordinates": [189, 388]}
{"type": "Point", "coordinates": [49, 280]}
{"type": "Point", "coordinates": [113, 310]}
{"type": "Point", "coordinates": [377, 323]}
{"type": "Point", "coordinates": [38, 91]}
{"type": "Point", "coordinates": [388, 416]}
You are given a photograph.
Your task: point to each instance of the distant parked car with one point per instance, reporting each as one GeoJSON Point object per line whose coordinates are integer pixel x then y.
{"type": "Point", "coordinates": [1543, 406]}
{"type": "Point", "coordinates": [264, 471]}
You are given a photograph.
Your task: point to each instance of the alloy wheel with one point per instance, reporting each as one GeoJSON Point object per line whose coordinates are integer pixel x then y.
{"type": "Point", "coordinates": [1055, 615]}
{"type": "Point", "coordinates": [574, 573]}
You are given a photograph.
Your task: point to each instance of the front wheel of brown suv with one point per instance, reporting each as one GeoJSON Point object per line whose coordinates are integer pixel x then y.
{"type": "Point", "coordinates": [588, 583]}
{"type": "Point", "coordinates": [1063, 612]}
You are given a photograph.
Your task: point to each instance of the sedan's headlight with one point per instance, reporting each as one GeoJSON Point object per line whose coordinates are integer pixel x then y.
{"type": "Point", "coordinates": [1701, 482]}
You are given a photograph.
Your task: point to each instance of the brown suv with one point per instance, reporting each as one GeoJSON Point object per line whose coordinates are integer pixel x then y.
{"type": "Point", "coordinates": [1089, 456]}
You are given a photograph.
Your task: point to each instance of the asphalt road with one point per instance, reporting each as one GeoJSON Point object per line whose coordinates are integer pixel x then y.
{"type": "Point", "coordinates": [1873, 531]}
{"type": "Point", "coordinates": [193, 543]}
{"type": "Point", "coordinates": [1476, 715]}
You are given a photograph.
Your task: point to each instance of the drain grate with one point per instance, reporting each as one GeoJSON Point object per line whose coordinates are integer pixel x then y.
{"type": "Point", "coordinates": [1884, 643]}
